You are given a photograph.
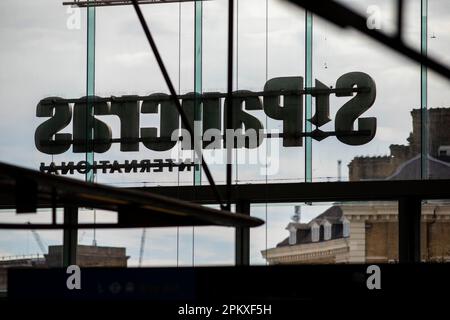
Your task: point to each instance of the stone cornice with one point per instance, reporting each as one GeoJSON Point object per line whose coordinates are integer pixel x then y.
{"type": "Point", "coordinates": [308, 251]}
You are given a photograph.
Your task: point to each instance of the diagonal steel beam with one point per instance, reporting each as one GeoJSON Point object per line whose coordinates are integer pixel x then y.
{"type": "Point", "coordinates": [27, 190]}
{"type": "Point", "coordinates": [173, 95]}
{"type": "Point", "coordinates": [345, 17]}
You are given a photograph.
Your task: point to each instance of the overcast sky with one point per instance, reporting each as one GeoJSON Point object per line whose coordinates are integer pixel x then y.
{"type": "Point", "coordinates": [40, 57]}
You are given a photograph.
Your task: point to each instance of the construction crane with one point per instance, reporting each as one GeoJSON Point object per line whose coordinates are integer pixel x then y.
{"type": "Point", "coordinates": [38, 239]}
{"type": "Point", "coordinates": [141, 251]}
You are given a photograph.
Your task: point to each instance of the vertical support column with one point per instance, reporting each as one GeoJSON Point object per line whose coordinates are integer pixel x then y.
{"type": "Point", "coordinates": [198, 86]}
{"type": "Point", "coordinates": [242, 241]}
{"type": "Point", "coordinates": [308, 97]}
{"type": "Point", "coordinates": [424, 90]}
{"type": "Point", "coordinates": [409, 212]}
{"type": "Point", "coordinates": [90, 90]}
{"type": "Point", "coordinates": [70, 236]}
{"type": "Point", "coordinates": [229, 111]}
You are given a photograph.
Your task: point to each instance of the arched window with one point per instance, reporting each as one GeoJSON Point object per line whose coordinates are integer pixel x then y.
{"type": "Point", "coordinates": [327, 230]}
{"type": "Point", "coordinates": [315, 232]}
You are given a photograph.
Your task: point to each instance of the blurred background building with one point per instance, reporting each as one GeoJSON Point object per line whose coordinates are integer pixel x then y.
{"type": "Point", "coordinates": [87, 256]}
{"type": "Point", "coordinates": [368, 232]}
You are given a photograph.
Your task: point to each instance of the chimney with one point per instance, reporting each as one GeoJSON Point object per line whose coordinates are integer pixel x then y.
{"type": "Point", "coordinates": [297, 215]}
{"type": "Point", "coordinates": [339, 168]}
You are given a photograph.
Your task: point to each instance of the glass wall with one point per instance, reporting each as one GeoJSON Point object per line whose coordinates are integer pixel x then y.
{"type": "Point", "coordinates": [397, 83]}
{"type": "Point", "coordinates": [45, 55]}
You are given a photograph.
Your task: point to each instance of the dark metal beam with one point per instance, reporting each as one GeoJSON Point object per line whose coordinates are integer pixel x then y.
{"type": "Point", "coordinates": [70, 237]}
{"type": "Point", "coordinates": [229, 109]}
{"type": "Point", "coordinates": [409, 214]}
{"type": "Point", "coordinates": [242, 237]}
{"type": "Point", "coordinates": [173, 94]}
{"type": "Point", "coordinates": [135, 209]}
{"type": "Point", "coordinates": [400, 19]}
{"type": "Point", "coordinates": [314, 192]}
{"type": "Point", "coordinates": [409, 195]}
{"type": "Point", "coordinates": [344, 17]}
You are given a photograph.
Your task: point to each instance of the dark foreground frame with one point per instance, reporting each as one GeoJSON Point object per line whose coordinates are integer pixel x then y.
{"type": "Point", "coordinates": [260, 284]}
{"type": "Point", "coordinates": [25, 190]}
{"type": "Point", "coordinates": [409, 195]}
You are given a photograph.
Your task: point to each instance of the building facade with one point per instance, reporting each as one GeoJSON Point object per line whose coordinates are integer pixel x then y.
{"type": "Point", "coordinates": [368, 232]}
{"type": "Point", "coordinates": [438, 142]}
{"type": "Point", "coordinates": [87, 256]}
{"type": "Point", "coordinates": [362, 233]}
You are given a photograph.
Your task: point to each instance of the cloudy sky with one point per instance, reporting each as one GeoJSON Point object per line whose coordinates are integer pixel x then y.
{"type": "Point", "coordinates": [41, 57]}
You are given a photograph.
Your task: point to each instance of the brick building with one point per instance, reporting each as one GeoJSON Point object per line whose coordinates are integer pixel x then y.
{"type": "Point", "coordinates": [87, 256]}
{"type": "Point", "coordinates": [362, 233]}
{"type": "Point", "coordinates": [90, 256]}
{"type": "Point", "coordinates": [374, 168]}
{"type": "Point", "coordinates": [368, 232]}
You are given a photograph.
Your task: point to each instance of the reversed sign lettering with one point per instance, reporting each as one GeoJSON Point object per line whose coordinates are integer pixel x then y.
{"type": "Point", "coordinates": [282, 99]}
